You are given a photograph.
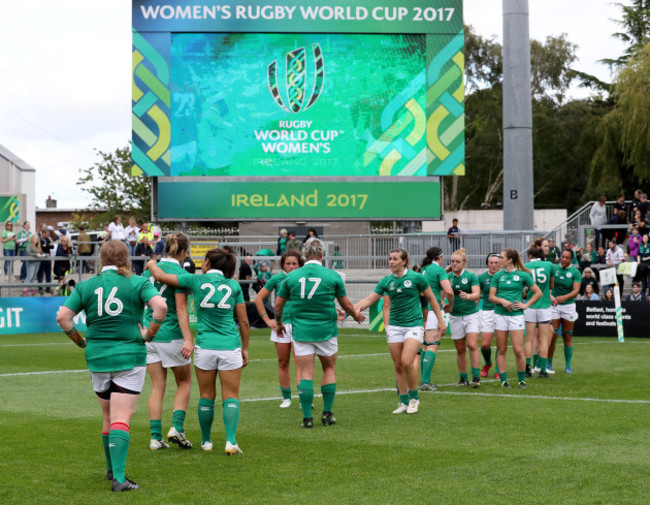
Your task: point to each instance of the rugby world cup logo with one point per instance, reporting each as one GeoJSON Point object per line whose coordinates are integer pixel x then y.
{"type": "Point", "coordinates": [296, 80]}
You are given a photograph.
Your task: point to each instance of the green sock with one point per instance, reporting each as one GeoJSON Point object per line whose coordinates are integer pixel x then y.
{"type": "Point", "coordinates": [156, 429]}
{"type": "Point", "coordinates": [422, 353]}
{"type": "Point", "coordinates": [328, 391]}
{"type": "Point", "coordinates": [542, 364]}
{"type": "Point", "coordinates": [286, 393]}
{"type": "Point", "coordinates": [404, 399]}
{"type": "Point", "coordinates": [463, 376]}
{"type": "Point", "coordinates": [107, 451]}
{"type": "Point", "coordinates": [414, 394]}
{"type": "Point", "coordinates": [178, 420]}
{"type": "Point", "coordinates": [476, 372]}
{"type": "Point", "coordinates": [428, 362]}
{"type": "Point", "coordinates": [528, 361]}
{"type": "Point", "coordinates": [549, 363]}
{"type": "Point", "coordinates": [306, 395]}
{"type": "Point", "coordinates": [568, 355]}
{"type": "Point", "coordinates": [504, 376]}
{"type": "Point", "coordinates": [535, 360]}
{"type": "Point", "coordinates": [119, 447]}
{"type": "Point", "coordinates": [521, 376]}
{"type": "Point", "coordinates": [206, 416]}
{"type": "Point", "coordinates": [231, 418]}
{"type": "Point", "coordinates": [487, 355]}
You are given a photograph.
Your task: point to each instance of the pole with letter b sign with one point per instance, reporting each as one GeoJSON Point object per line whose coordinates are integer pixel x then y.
{"type": "Point", "coordinates": [607, 277]}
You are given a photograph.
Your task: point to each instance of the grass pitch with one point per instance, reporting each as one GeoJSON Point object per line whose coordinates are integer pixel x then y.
{"type": "Point", "coordinates": [572, 439]}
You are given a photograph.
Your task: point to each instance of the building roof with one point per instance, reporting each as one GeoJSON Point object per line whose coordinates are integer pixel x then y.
{"type": "Point", "coordinates": [19, 163]}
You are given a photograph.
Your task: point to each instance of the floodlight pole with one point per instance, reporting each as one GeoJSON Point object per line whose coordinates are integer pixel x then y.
{"type": "Point", "coordinates": [518, 204]}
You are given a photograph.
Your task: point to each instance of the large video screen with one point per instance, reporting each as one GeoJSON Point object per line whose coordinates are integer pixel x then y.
{"type": "Point", "coordinates": [297, 104]}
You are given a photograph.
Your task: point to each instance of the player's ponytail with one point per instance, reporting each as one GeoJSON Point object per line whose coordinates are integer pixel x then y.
{"type": "Point", "coordinates": [115, 253]}
{"type": "Point", "coordinates": [176, 245]}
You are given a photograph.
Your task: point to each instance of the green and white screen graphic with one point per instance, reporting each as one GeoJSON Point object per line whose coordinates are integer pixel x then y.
{"type": "Point", "coordinates": [294, 109]}
{"type": "Point", "coordinates": [298, 105]}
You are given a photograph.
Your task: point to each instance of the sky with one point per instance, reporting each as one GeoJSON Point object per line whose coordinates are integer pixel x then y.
{"type": "Point", "coordinates": [65, 91]}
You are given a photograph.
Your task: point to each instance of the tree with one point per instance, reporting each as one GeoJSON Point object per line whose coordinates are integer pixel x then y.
{"type": "Point", "coordinates": [112, 187]}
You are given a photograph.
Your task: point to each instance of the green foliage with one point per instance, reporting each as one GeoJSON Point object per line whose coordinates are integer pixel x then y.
{"type": "Point", "coordinates": [635, 25]}
{"type": "Point", "coordinates": [583, 433]}
{"type": "Point", "coordinates": [112, 187]}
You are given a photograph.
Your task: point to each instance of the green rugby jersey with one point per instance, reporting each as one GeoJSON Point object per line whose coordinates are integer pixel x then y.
{"type": "Point", "coordinates": [404, 293]}
{"type": "Point", "coordinates": [563, 281]}
{"type": "Point", "coordinates": [484, 282]}
{"type": "Point", "coordinates": [434, 273]}
{"type": "Point", "coordinates": [463, 282]}
{"type": "Point", "coordinates": [510, 286]}
{"type": "Point", "coordinates": [274, 284]}
{"type": "Point", "coordinates": [312, 289]}
{"type": "Point", "coordinates": [170, 329]}
{"type": "Point", "coordinates": [541, 272]}
{"type": "Point", "coordinates": [114, 305]}
{"type": "Point", "coordinates": [215, 298]}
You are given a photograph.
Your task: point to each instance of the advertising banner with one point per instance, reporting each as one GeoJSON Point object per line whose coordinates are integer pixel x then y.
{"type": "Point", "coordinates": [9, 209]}
{"type": "Point", "coordinates": [33, 315]}
{"type": "Point", "coordinates": [598, 319]}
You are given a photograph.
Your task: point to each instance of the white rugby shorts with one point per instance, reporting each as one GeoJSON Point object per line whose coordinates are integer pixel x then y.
{"type": "Point", "coordinates": [166, 353]}
{"type": "Point", "coordinates": [487, 321]}
{"type": "Point", "coordinates": [462, 325]}
{"type": "Point", "coordinates": [128, 379]}
{"type": "Point", "coordinates": [509, 323]}
{"type": "Point", "coordinates": [214, 359]}
{"type": "Point", "coordinates": [537, 315]}
{"type": "Point", "coordinates": [321, 347]}
{"type": "Point", "coordinates": [397, 334]}
{"type": "Point", "coordinates": [566, 312]}
{"type": "Point", "coordinates": [286, 336]}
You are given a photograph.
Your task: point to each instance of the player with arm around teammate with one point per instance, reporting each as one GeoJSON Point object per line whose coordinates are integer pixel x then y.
{"type": "Point", "coordinates": [114, 344]}
{"type": "Point", "coordinates": [221, 350]}
{"type": "Point", "coordinates": [290, 261]}
{"type": "Point", "coordinates": [566, 286]}
{"type": "Point", "coordinates": [493, 262]}
{"type": "Point", "coordinates": [172, 349]}
{"type": "Point", "coordinates": [506, 292]}
{"type": "Point", "coordinates": [464, 319]}
{"type": "Point", "coordinates": [438, 280]}
{"type": "Point", "coordinates": [538, 316]}
{"type": "Point", "coordinates": [312, 289]}
{"type": "Point", "coordinates": [405, 328]}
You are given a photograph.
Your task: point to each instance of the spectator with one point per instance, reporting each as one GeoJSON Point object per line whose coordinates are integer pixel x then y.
{"type": "Point", "coordinates": [553, 252]}
{"type": "Point", "coordinates": [639, 222]}
{"type": "Point", "coordinates": [33, 253]}
{"type": "Point", "coordinates": [633, 243]}
{"type": "Point", "coordinates": [589, 295]}
{"type": "Point", "coordinates": [312, 235]}
{"type": "Point", "coordinates": [45, 267]}
{"type": "Point", "coordinates": [145, 231]}
{"type": "Point", "coordinates": [637, 199]}
{"type": "Point", "coordinates": [61, 266]}
{"type": "Point", "coordinates": [246, 274]}
{"type": "Point", "coordinates": [618, 234]}
{"type": "Point", "coordinates": [588, 279]}
{"type": "Point", "coordinates": [598, 217]}
{"type": "Point", "coordinates": [636, 295]}
{"type": "Point", "coordinates": [644, 206]}
{"type": "Point", "coordinates": [587, 257]}
{"type": "Point", "coordinates": [60, 230]}
{"type": "Point", "coordinates": [293, 244]}
{"type": "Point", "coordinates": [338, 263]}
{"type": "Point", "coordinates": [453, 234]}
{"type": "Point", "coordinates": [608, 296]}
{"type": "Point", "coordinates": [22, 240]}
{"type": "Point", "coordinates": [620, 203]}
{"type": "Point", "coordinates": [84, 248]}
{"type": "Point", "coordinates": [615, 256]}
{"type": "Point", "coordinates": [143, 250]}
{"type": "Point", "coordinates": [263, 275]}
{"type": "Point", "coordinates": [601, 256]}
{"type": "Point", "coordinates": [115, 230]}
{"type": "Point", "coordinates": [282, 242]}
{"type": "Point", "coordinates": [188, 264]}
{"type": "Point", "coordinates": [132, 233]}
{"type": "Point", "coordinates": [8, 240]}
{"type": "Point", "coordinates": [158, 246]}
{"type": "Point", "coordinates": [643, 260]}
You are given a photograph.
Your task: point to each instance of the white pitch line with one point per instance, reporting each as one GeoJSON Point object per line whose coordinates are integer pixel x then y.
{"type": "Point", "coordinates": [41, 373]}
